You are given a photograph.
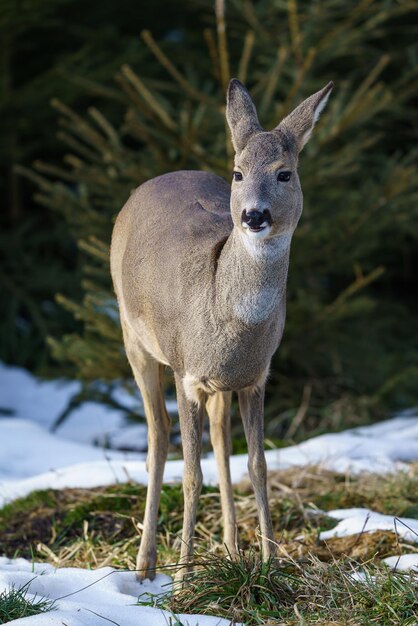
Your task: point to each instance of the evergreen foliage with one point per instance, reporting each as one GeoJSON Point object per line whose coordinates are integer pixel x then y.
{"type": "Point", "coordinates": [351, 333]}
{"type": "Point", "coordinates": [47, 47]}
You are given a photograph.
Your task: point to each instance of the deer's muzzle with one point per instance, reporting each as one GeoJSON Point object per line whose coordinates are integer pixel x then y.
{"type": "Point", "coordinates": [256, 220]}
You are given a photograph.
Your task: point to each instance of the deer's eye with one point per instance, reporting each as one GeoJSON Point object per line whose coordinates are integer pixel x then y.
{"type": "Point", "coordinates": [237, 176]}
{"type": "Point", "coordinates": [284, 177]}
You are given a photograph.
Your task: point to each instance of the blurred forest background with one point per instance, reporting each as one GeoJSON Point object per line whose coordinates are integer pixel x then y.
{"type": "Point", "coordinates": [97, 97]}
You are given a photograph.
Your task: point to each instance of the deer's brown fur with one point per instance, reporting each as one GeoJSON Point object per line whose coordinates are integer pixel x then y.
{"type": "Point", "coordinates": [200, 291]}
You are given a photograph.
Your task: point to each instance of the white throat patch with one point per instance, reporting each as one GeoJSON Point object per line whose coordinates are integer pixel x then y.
{"type": "Point", "coordinates": [257, 303]}
{"type": "Point", "coordinates": [255, 307]}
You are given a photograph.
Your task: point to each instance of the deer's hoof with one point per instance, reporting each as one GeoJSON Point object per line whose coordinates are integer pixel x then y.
{"type": "Point", "coordinates": [145, 565]}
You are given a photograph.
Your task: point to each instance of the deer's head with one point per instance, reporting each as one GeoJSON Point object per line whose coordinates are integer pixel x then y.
{"type": "Point", "coordinates": [266, 198]}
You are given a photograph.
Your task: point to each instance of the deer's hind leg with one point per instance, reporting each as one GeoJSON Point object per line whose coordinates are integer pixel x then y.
{"type": "Point", "coordinates": [148, 375]}
{"type": "Point", "coordinates": [218, 407]}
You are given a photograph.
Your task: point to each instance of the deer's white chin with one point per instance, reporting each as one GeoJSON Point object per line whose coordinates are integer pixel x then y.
{"type": "Point", "coordinates": [255, 235]}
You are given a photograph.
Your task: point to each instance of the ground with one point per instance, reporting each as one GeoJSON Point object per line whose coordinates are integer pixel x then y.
{"type": "Point", "coordinates": [344, 508]}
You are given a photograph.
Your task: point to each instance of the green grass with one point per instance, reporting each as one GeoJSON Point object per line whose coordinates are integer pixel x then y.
{"type": "Point", "coordinates": [243, 589]}
{"type": "Point", "coordinates": [254, 592]}
{"type": "Point", "coordinates": [15, 604]}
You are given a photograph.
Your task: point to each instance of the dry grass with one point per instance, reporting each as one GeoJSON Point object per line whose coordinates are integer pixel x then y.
{"type": "Point", "coordinates": [100, 527]}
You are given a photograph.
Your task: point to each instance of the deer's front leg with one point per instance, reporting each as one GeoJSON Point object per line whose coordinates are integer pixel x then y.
{"type": "Point", "coordinates": [251, 402]}
{"type": "Point", "coordinates": [191, 417]}
{"type": "Point", "coordinates": [218, 407]}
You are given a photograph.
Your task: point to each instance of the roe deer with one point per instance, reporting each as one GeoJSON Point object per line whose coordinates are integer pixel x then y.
{"type": "Point", "coordinates": [200, 274]}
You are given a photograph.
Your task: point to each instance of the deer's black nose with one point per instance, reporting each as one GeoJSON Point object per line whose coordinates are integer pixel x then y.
{"type": "Point", "coordinates": [254, 218]}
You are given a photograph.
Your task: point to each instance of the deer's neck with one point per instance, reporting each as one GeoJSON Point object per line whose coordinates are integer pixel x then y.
{"type": "Point", "coordinates": [251, 278]}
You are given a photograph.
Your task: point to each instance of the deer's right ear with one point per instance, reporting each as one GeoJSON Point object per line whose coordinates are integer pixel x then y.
{"type": "Point", "coordinates": [241, 114]}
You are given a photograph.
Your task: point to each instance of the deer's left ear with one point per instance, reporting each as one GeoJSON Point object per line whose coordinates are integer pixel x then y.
{"type": "Point", "coordinates": [301, 121]}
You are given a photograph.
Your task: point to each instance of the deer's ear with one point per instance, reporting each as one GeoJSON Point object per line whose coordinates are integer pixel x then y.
{"type": "Point", "coordinates": [301, 121]}
{"type": "Point", "coordinates": [241, 114]}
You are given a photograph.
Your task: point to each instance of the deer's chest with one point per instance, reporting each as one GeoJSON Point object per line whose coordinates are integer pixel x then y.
{"type": "Point", "coordinates": [234, 357]}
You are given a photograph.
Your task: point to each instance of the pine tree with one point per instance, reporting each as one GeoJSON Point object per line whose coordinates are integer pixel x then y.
{"type": "Point", "coordinates": [72, 48]}
{"type": "Point", "coordinates": [350, 340]}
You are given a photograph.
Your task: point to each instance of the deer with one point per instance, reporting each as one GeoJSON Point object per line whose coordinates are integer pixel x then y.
{"type": "Point", "coordinates": [199, 269]}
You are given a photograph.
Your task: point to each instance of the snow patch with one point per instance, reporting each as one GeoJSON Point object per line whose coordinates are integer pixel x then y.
{"type": "Point", "coordinates": [403, 563]}
{"type": "Point", "coordinates": [31, 457]}
{"type": "Point", "coordinates": [91, 597]}
{"type": "Point", "coordinates": [355, 521]}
